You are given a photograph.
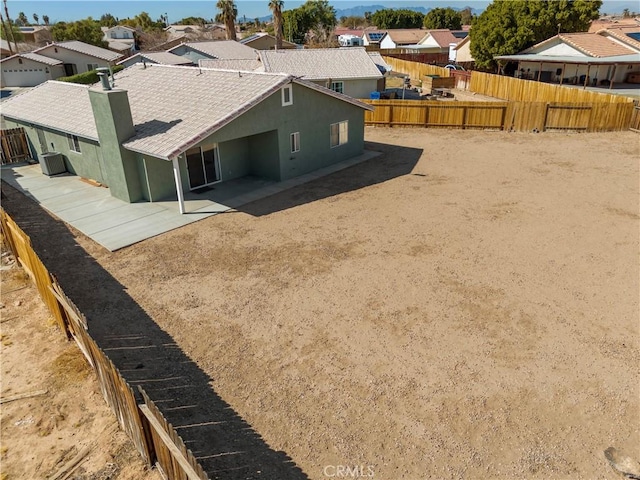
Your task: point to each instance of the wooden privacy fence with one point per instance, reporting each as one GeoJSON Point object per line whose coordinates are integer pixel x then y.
{"type": "Point", "coordinates": [414, 69]}
{"type": "Point", "coordinates": [511, 116]}
{"type": "Point", "coordinates": [635, 119]}
{"type": "Point", "coordinates": [14, 146]}
{"type": "Point", "coordinates": [155, 439]}
{"type": "Point", "coordinates": [519, 90]}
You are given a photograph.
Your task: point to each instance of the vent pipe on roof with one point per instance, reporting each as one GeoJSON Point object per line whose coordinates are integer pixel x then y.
{"type": "Point", "coordinates": [103, 74]}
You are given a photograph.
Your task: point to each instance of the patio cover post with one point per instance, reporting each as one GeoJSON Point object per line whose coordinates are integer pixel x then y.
{"type": "Point", "coordinates": [176, 175]}
{"type": "Point", "coordinates": [564, 68]}
{"type": "Point", "coordinates": [586, 78]}
{"type": "Point", "coordinates": [613, 74]}
{"type": "Point", "coordinates": [539, 71]}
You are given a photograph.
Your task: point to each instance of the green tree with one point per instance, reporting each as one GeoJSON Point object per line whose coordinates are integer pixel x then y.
{"type": "Point", "coordinates": [316, 16]}
{"type": "Point", "coordinates": [276, 8]}
{"type": "Point", "coordinates": [36, 18]}
{"type": "Point", "coordinates": [15, 35]}
{"type": "Point", "coordinates": [22, 19]}
{"type": "Point", "coordinates": [87, 31]}
{"type": "Point", "coordinates": [45, 19]}
{"type": "Point", "coordinates": [227, 15]}
{"type": "Point", "coordinates": [192, 21]}
{"type": "Point", "coordinates": [443, 18]}
{"type": "Point", "coordinates": [626, 13]}
{"type": "Point", "coordinates": [508, 27]}
{"type": "Point", "coordinates": [402, 18]}
{"type": "Point", "coordinates": [353, 21]}
{"type": "Point", "coordinates": [108, 20]}
{"type": "Point", "coordinates": [466, 16]}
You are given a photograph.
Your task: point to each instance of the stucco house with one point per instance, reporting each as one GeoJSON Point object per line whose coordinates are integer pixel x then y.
{"type": "Point", "coordinates": [578, 58]}
{"type": "Point", "coordinates": [462, 52]}
{"type": "Point", "coordinates": [54, 61]}
{"type": "Point", "coordinates": [162, 58]}
{"type": "Point", "coordinates": [264, 41]}
{"type": "Point", "coordinates": [347, 70]}
{"type": "Point", "coordinates": [401, 37]}
{"type": "Point", "coordinates": [166, 129]}
{"type": "Point", "coordinates": [120, 38]}
{"type": "Point", "coordinates": [224, 49]}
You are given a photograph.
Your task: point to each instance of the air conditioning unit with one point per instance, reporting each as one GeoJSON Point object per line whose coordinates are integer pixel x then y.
{"type": "Point", "coordinates": [52, 163]}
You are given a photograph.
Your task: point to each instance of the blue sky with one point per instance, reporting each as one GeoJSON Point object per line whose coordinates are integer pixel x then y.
{"type": "Point", "coordinates": [76, 9]}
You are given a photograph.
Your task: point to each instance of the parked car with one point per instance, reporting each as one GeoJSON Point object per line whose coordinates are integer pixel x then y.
{"type": "Point", "coordinates": [451, 66]}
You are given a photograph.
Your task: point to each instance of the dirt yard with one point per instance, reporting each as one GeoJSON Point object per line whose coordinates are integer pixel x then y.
{"type": "Point", "coordinates": [463, 306]}
{"type": "Point", "coordinates": [67, 418]}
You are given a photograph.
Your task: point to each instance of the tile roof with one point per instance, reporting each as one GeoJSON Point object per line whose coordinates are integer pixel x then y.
{"type": "Point", "coordinates": [443, 37]}
{"type": "Point", "coordinates": [163, 58]}
{"type": "Point", "coordinates": [624, 35]}
{"type": "Point", "coordinates": [58, 105]}
{"type": "Point", "coordinates": [35, 57]}
{"type": "Point", "coordinates": [81, 47]}
{"type": "Point", "coordinates": [242, 64]}
{"type": "Point", "coordinates": [118, 45]}
{"type": "Point", "coordinates": [321, 63]}
{"type": "Point", "coordinates": [406, 36]}
{"type": "Point", "coordinates": [380, 63]}
{"type": "Point", "coordinates": [228, 49]}
{"type": "Point", "coordinates": [172, 107]}
{"type": "Point", "coordinates": [590, 44]}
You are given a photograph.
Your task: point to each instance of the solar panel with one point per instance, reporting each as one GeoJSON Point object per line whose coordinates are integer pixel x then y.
{"type": "Point", "coordinates": [376, 36]}
{"type": "Point", "coordinates": [634, 35]}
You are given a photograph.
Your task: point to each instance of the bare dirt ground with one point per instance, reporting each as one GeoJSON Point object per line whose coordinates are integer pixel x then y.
{"type": "Point", "coordinates": [463, 306]}
{"type": "Point", "coordinates": [42, 434]}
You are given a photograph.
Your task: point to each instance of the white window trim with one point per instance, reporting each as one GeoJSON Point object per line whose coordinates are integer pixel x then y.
{"type": "Point", "coordinates": [342, 140]}
{"type": "Point", "coordinates": [72, 140]}
{"type": "Point", "coordinates": [295, 142]}
{"type": "Point", "coordinates": [341, 83]}
{"type": "Point", "coordinates": [288, 88]}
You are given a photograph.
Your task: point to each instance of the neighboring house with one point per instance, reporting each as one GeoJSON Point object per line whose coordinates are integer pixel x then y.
{"type": "Point", "coordinates": [462, 52]}
{"type": "Point", "coordinates": [373, 37]}
{"type": "Point", "coordinates": [79, 57]}
{"type": "Point", "coordinates": [36, 34]}
{"type": "Point", "coordinates": [240, 65]}
{"type": "Point", "coordinates": [439, 41]}
{"type": "Point", "coordinates": [166, 129]}
{"type": "Point", "coordinates": [264, 41]}
{"type": "Point", "coordinates": [345, 70]}
{"type": "Point", "coordinates": [606, 23]}
{"type": "Point", "coordinates": [401, 37]}
{"type": "Point", "coordinates": [29, 70]}
{"type": "Point", "coordinates": [7, 50]}
{"type": "Point", "coordinates": [224, 49]}
{"type": "Point", "coordinates": [577, 58]}
{"type": "Point", "coordinates": [161, 58]}
{"type": "Point", "coordinates": [121, 39]}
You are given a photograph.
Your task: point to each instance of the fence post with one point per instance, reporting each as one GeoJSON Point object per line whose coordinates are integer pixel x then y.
{"type": "Point", "coordinates": [546, 115]}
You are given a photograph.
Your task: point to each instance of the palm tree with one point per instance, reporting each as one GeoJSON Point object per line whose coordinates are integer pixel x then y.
{"type": "Point", "coordinates": [276, 7]}
{"type": "Point", "coordinates": [45, 19]}
{"type": "Point", "coordinates": [228, 14]}
{"type": "Point", "coordinates": [22, 19]}
{"type": "Point", "coordinates": [35, 17]}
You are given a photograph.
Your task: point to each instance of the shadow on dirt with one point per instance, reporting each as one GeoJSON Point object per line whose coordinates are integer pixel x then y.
{"type": "Point", "coordinates": [396, 161]}
{"type": "Point", "coordinates": [226, 445]}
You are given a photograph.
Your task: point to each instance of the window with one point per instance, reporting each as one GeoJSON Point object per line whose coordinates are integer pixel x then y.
{"type": "Point", "coordinates": [92, 66]}
{"type": "Point", "coordinates": [287, 95]}
{"type": "Point", "coordinates": [339, 133]}
{"type": "Point", "coordinates": [295, 142]}
{"type": "Point", "coordinates": [337, 87]}
{"type": "Point", "coordinates": [74, 143]}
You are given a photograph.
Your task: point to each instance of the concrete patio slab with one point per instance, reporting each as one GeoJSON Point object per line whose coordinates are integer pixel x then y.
{"type": "Point", "coordinates": [115, 224]}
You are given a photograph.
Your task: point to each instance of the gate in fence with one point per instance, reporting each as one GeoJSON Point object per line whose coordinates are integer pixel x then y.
{"type": "Point", "coordinates": [15, 147]}
{"type": "Point", "coordinates": [635, 120]}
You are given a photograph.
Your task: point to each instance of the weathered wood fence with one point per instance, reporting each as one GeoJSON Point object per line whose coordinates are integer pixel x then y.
{"type": "Point", "coordinates": [155, 439]}
{"type": "Point", "coordinates": [414, 69]}
{"type": "Point", "coordinates": [519, 90]}
{"type": "Point", "coordinates": [635, 119]}
{"type": "Point", "coordinates": [14, 146]}
{"type": "Point", "coordinates": [511, 116]}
